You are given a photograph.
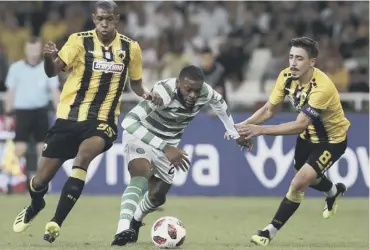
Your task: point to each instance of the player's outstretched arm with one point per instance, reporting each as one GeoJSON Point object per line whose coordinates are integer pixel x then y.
{"type": "Point", "coordinates": [261, 115]}
{"type": "Point", "coordinates": [221, 109]}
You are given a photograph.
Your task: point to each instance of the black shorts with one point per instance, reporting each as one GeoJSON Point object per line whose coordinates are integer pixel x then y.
{"type": "Point", "coordinates": [31, 122]}
{"type": "Point", "coordinates": [64, 138]}
{"type": "Point", "coordinates": [320, 156]}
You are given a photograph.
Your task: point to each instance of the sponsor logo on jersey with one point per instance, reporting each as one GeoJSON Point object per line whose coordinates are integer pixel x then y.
{"type": "Point", "coordinates": [108, 67]}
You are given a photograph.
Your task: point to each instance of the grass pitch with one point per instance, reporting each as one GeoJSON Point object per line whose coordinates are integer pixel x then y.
{"type": "Point", "coordinates": [211, 223]}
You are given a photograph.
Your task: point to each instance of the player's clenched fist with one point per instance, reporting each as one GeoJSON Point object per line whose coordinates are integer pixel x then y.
{"type": "Point", "coordinates": [177, 157]}
{"type": "Point", "coordinates": [50, 49]}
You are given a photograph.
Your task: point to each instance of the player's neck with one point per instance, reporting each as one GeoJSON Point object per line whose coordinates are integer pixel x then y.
{"type": "Point", "coordinates": [106, 41]}
{"type": "Point", "coordinates": [305, 78]}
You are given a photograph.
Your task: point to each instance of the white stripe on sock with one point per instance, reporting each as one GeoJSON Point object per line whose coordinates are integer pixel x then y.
{"type": "Point", "coordinates": [130, 202]}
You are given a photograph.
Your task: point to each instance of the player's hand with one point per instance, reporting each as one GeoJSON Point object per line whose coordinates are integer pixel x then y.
{"type": "Point", "coordinates": [154, 97]}
{"type": "Point", "coordinates": [50, 49]}
{"type": "Point", "coordinates": [244, 143]}
{"type": "Point", "coordinates": [227, 136]}
{"type": "Point", "coordinates": [249, 130]}
{"type": "Point", "coordinates": [177, 157]}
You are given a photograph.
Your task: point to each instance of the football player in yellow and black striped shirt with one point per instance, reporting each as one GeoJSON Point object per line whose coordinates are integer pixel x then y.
{"type": "Point", "coordinates": [86, 125]}
{"type": "Point", "coordinates": [322, 129]}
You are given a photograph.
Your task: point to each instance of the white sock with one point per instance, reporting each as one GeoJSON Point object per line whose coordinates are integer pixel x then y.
{"type": "Point", "coordinates": [123, 224]}
{"type": "Point", "coordinates": [139, 215]}
{"type": "Point", "coordinates": [145, 207]}
{"type": "Point", "coordinates": [332, 192]}
{"type": "Point", "coordinates": [273, 230]}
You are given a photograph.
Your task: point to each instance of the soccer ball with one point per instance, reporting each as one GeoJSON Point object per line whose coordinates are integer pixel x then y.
{"type": "Point", "coordinates": [168, 232]}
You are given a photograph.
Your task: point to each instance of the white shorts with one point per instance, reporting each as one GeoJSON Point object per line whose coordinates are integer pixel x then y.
{"type": "Point", "coordinates": [134, 148]}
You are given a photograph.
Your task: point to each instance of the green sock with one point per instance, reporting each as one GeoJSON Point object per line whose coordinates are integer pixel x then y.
{"type": "Point", "coordinates": [130, 200]}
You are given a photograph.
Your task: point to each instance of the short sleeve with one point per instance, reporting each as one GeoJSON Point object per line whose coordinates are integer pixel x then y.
{"type": "Point", "coordinates": [10, 80]}
{"type": "Point", "coordinates": [70, 50]}
{"type": "Point", "coordinates": [277, 95]}
{"type": "Point", "coordinates": [135, 68]}
{"type": "Point", "coordinates": [320, 99]}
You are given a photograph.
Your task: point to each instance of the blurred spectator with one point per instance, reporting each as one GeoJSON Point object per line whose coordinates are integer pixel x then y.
{"type": "Point", "coordinates": [214, 72]}
{"type": "Point", "coordinates": [13, 38]}
{"type": "Point", "coordinates": [28, 95]}
{"type": "Point", "coordinates": [54, 28]}
{"type": "Point", "coordinates": [338, 73]}
{"type": "Point", "coordinates": [3, 68]}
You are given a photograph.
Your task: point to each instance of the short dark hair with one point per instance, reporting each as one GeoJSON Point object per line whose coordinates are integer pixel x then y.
{"type": "Point", "coordinates": [106, 5]}
{"type": "Point", "coordinates": [192, 72]}
{"type": "Point", "coordinates": [306, 43]}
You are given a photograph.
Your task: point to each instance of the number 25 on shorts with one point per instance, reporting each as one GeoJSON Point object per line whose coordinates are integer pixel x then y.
{"type": "Point", "coordinates": [105, 127]}
{"type": "Point", "coordinates": [324, 160]}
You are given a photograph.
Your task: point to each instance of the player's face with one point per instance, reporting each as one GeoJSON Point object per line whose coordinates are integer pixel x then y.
{"type": "Point", "coordinates": [299, 62]}
{"type": "Point", "coordinates": [105, 21]}
{"type": "Point", "coordinates": [33, 51]}
{"type": "Point", "coordinates": [190, 91]}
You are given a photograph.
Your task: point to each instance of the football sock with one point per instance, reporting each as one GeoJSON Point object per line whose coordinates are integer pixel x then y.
{"type": "Point", "coordinates": [145, 207]}
{"type": "Point", "coordinates": [324, 185]}
{"type": "Point", "coordinates": [37, 193]}
{"type": "Point", "coordinates": [70, 193]}
{"type": "Point", "coordinates": [332, 192]}
{"type": "Point", "coordinates": [287, 208]}
{"type": "Point", "coordinates": [130, 200]}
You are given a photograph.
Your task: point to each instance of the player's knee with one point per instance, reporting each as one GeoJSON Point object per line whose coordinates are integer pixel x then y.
{"type": "Point", "coordinates": [303, 178]}
{"type": "Point", "coordinates": [139, 167]}
{"type": "Point", "coordinates": [83, 159]}
{"type": "Point", "coordinates": [157, 198]}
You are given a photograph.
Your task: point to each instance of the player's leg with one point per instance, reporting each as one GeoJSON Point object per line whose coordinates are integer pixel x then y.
{"type": "Point", "coordinates": [58, 146]}
{"type": "Point", "coordinates": [303, 150]}
{"type": "Point", "coordinates": [37, 187]}
{"type": "Point", "coordinates": [152, 200]}
{"type": "Point", "coordinates": [72, 189]}
{"type": "Point", "coordinates": [327, 158]}
{"type": "Point", "coordinates": [302, 179]}
{"type": "Point", "coordinates": [319, 161]}
{"type": "Point", "coordinates": [138, 160]}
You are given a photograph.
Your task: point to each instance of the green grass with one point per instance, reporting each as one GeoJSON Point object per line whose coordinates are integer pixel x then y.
{"type": "Point", "coordinates": [212, 224]}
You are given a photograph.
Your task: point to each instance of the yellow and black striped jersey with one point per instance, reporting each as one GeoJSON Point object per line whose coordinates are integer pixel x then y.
{"type": "Point", "coordinates": [319, 100]}
{"type": "Point", "coordinates": [94, 87]}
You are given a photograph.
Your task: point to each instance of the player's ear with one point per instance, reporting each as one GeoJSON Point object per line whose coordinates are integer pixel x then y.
{"type": "Point", "coordinates": [93, 16]}
{"type": "Point", "coordinates": [117, 18]}
{"type": "Point", "coordinates": [312, 62]}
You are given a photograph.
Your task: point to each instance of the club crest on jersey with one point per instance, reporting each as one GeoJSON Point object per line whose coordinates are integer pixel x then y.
{"type": "Point", "coordinates": [108, 67]}
{"type": "Point", "coordinates": [121, 54]}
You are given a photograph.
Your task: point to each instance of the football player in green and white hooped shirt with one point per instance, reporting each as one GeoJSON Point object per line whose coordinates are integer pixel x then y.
{"type": "Point", "coordinates": [151, 136]}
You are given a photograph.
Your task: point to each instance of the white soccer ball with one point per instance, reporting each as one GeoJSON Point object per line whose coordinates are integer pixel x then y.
{"type": "Point", "coordinates": [168, 232]}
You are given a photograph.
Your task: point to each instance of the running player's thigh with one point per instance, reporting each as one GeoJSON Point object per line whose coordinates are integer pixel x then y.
{"type": "Point", "coordinates": [158, 187]}
{"type": "Point", "coordinates": [47, 168]}
{"type": "Point", "coordinates": [137, 155]}
{"type": "Point", "coordinates": [303, 150]}
{"type": "Point", "coordinates": [325, 155]}
{"type": "Point", "coordinates": [162, 167]}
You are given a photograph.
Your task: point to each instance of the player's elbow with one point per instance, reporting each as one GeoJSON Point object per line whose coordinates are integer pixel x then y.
{"type": "Point", "coordinates": [301, 126]}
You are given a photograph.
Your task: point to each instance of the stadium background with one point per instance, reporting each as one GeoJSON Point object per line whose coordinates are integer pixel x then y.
{"type": "Point", "coordinates": [250, 40]}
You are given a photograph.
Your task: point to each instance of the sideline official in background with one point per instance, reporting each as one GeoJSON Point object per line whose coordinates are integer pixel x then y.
{"type": "Point", "coordinates": [213, 71]}
{"type": "Point", "coordinates": [29, 91]}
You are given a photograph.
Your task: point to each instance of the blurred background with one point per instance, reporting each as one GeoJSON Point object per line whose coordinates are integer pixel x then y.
{"type": "Point", "coordinates": [241, 46]}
